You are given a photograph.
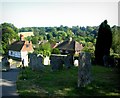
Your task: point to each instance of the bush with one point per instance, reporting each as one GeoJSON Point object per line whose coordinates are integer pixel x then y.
{"type": "Point", "coordinates": [55, 51]}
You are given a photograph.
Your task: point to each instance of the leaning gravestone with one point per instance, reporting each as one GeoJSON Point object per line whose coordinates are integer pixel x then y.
{"type": "Point", "coordinates": [36, 62]}
{"type": "Point", "coordinates": [84, 68]}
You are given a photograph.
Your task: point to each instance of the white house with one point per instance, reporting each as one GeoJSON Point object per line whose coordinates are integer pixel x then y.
{"type": "Point", "coordinates": [20, 49]}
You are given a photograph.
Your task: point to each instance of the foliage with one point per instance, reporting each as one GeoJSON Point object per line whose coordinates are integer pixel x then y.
{"type": "Point", "coordinates": [63, 32]}
{"type": "Point", "coordinates": [44, 49]}
{"type": "Point", "coordinates": [34, 39]}
{"type": "Point", "coordinates": [55, 51]}
{"type": "Point", "coordinates": [9, 35]}
{"type": "Point", "coordinates": [103, 43]}
{"type": "Point", "coordinates": [1, 49]}
{"type": "Point", "coordinates": [115, 39]}
{"type": "Point", "coordinates": [89, 47]}
{"type": "Point", "coordinates": [25, 29]}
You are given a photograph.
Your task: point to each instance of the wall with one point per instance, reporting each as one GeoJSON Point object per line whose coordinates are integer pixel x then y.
{"type": "Point", "coordinates": [14, 54]}
{"type": "Point", "coordinates": [24, 55]}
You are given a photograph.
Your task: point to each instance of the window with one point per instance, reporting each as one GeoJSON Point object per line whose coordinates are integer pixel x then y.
{"type": "Point", "coordinates": [11, 53]}
{"type": "Point", "coordinates": [27, 45]}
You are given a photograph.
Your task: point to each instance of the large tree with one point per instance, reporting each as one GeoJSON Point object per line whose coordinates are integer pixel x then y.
{"type": "Point", "coordinates": [9, 35]}
{"type": "Point", "coordinates": [103, 42]}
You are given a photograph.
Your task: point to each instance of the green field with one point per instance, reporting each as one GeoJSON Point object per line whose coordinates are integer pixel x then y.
{"type": "Point", "coordinates": [47, 83]}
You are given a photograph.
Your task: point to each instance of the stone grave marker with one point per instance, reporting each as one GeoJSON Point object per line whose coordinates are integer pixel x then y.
{"type": "Point", "coordinates": [36, 62]}
{"type": "Point", "coordinates": [68, 61]}
{"type": "Point", "coordinates": [56, 62]}
{"type": "Point", "coordinates": [84, 69]}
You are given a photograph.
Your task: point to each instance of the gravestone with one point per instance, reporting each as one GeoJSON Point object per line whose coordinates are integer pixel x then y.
{"type": "Point", "coordinates": [84, 69]}
{"type": "Point", "coordinates": [68, 61]}
{"type": "Point", "coordinates": [56, 62]}
{"type": "Point", "coordinates": [32, 60]}
{"type": "Point", "coordinates": [36, 62]}
{"type": "Point", "coordinates": [39, 65]}
{"type": "Point", "coordinates": [75, 62]}
{"type": "Point", "coordinates": [46, 61]}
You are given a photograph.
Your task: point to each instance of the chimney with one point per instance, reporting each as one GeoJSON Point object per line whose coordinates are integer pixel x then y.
{"type": "Point", "coordinates": [70, 39]}
{"type": "Point", "coordinates": [21, 37]}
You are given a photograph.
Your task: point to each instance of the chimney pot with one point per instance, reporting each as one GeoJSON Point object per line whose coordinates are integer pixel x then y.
{"type": "Point", "coordinates": [21, 37]}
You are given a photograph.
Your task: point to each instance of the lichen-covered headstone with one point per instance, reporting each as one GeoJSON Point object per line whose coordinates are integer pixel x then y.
{"type": "Point", "coordinates": [84, 69]}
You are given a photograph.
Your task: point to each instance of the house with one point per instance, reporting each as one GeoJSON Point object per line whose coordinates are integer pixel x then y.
{"type": "Point", "coordinates": [70, 47]}
{"type": "Point", "coordinates": [20, 49]}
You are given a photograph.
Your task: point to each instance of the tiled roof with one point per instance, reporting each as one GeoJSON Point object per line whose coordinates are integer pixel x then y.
{"type": "Point", "coordinates": [70, 45]}
{"type": "Point", "coordinates": [17, 46]}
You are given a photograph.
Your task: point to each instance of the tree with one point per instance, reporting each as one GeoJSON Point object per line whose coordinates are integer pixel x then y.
{"type": "Point", "coordinates": [29, 38]}
{"type": "Point", "coordinates": [55, 51]}
{"type": "Point", "coordinates": [15, 29]}
{"type": "Point", "coordinates": [41, 30]}
{"type": "Point", "coordinates": [34, 39]}
{"type": "Point", "coordinates": [115, 39]}
{"type": "Point", "coordinates": [1, 49]}
{"type": "Point", "coordinates": [44, 49]}
{"type": "Point", "coordinates": [9, 35]}
{"type": "Point", "coordinates": [103, 43]}
{"type": "Point", "coordinates": [49, 36]}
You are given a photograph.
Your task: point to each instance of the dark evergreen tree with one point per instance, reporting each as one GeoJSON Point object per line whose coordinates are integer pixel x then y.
{"type": "Point", "coordinates": [103, 43]}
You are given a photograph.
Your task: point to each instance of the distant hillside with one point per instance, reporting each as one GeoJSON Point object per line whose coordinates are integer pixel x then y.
{"type": "Point", "coordinates": [26, 34]}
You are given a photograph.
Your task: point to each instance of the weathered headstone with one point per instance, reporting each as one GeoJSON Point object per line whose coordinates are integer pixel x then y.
{"type": "Point", "coordinates": [32, 60]}
{"type": "Point", "coordinates": [46, 61]}
{"type": "Point", "coordinates": [39, 64]}
{"type": "Point", "coordinates": [68, 61]}
{"type": "Point", "coordinates": [36, 62]}
{"type": "Point", "coordinates": [84, 69]}
{"type": "Point", "coordinates": [56, 62]}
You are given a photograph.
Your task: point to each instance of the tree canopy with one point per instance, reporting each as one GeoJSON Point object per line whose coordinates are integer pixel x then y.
{"type": "Point", "coordinates": [9, 35]}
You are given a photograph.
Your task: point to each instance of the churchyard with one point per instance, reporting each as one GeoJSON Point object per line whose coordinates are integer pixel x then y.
{"type": "Point", "coordinates": [61, 79]}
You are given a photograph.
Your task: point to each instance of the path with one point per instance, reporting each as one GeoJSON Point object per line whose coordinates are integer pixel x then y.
{"type": "Point", "coordinates": [9, 83]}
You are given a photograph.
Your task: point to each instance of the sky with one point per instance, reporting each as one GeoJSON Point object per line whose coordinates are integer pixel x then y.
{"type": "Point", "coordinates": [53, 13]}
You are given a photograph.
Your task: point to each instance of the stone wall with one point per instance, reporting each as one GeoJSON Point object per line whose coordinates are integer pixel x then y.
{"type": "Point", "coordinates": [84, 69]}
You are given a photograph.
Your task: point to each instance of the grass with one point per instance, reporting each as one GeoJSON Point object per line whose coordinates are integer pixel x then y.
{"type": "Point", "coordinates": [64, 82]}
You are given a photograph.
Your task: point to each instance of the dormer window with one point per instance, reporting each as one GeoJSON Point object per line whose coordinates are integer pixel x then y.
{"type": "Point", "coordinates": [27, 45]}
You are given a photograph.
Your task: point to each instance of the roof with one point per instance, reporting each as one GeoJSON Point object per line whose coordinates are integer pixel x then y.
{"type": "Point", "coordinates": [70, 45]}
{"type": "Point", "coordinates": [17, 46]}
{"type": "Point", "coordinates": [21, 46]}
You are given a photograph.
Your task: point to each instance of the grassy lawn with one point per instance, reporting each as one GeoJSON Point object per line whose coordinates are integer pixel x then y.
{"type": "Point", "coordinates": [64, 82]}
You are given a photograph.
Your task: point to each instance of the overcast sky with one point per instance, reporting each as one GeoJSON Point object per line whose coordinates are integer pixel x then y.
{"type": "Point", "coordinates": [29, 14]}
